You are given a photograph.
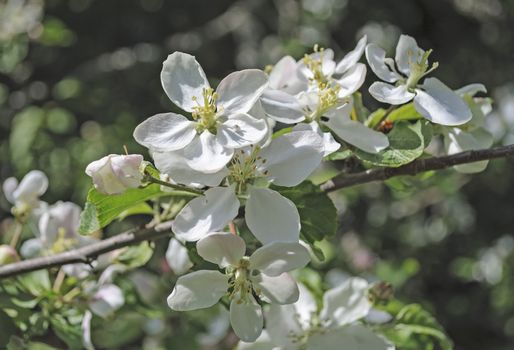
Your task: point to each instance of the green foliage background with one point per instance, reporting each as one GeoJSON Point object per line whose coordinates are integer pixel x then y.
{"type": "Point", "coordinates": [75, 84]}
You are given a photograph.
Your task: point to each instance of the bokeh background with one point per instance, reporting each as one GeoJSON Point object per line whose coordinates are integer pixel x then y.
{"type": "Point", "coordinates": [77, 76]}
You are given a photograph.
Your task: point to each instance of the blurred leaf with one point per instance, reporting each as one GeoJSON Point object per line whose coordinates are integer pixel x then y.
{"type": "Point", "coordinates": [406, 143]}
{"type": "Point", "coordinates": [135, 256]}
{"type": "Point", "coordinates": [126, 329]}
{"type": "Point", "coordinates": [69, 333]}
{"type": "Point", "coordinates": [25, 127]}
{"type": "Point", "coordinates": [102, 209]}
{"type": "Point", "coordinates": [8, 328]}
{"type": "Point", "coordinates": [140, 208]}
{"type": "Point", "coordinates": [35, 282]}
{"type": "Point", "coordinates": [56, 33]}
{"type": "Point", "coordinates": [318, 215]}
{"type": "Point", "coordinates": [397, 274]}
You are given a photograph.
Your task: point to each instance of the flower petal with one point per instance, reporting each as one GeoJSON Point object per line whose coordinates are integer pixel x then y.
{"type": "Point", "coordinates": [246, 319]}
{"type": "Point", "coordinates": [281, 289]}
{"type": "Point", "coordinates": [241, 130]}
{"type": "Point", "coordinates": [387, 93]}
{"type": "Point", "coordinates": [198, 290]}
{"type": "Point", "coordinates": [262, 343]}
{"type": "Point", "coordinates": [177, 257]}
{"type": "Point", "coordinates": [282, 107]}
{"type": "Point", "coordinates": [292, 157]}
{"type": "Point", "coordinates": [106, 300]}
{"type": "Point", "coordinates": [276, 258]}
{"type": "Point", "coordinates": [283, 325]}
{"type": "Point", "coordinates": [347, 303]}
{"type": "Point", "coordinates": [352, 57]}
{"type": "Point", "coordinates": [175, 166]}
{"type": "Point", "coordinates": [471, 89]}
{"type": "Point", "coordinates": [239, 91]}
{"type": "Point", "coordinates": [208, 213]}
{"type": "Point", "coordinates": [439, 104]}
{"type": "Point", "coordinates": [376, 57]}
{"type": "Point", "coordinates": [457, 140]}
{"type": "Point", "coordinates": [354, 337]}
{"type": "Point", "coordinates": [268, 211]}
{"type": "Point", "coordinates": [165, 132]}
{"type": "Point", "coordinates": [33, 185]}
{"type": "Point", "coordinates": [352, 80]}
{"type": "Point", "coordinates": [206, 155]}
{"type": "Point", "coordinates": [222, 249]}
{"type": "Point", "coordinates": [356, 133]}
{"type": "Point", "coordinates": [407, 52]}
{"type": "Point", "coordinates": [284, 76]}
{"type": "Point", "coordinates": [330, 145]}
{"type": "Point", "coordinates": [183, 80]}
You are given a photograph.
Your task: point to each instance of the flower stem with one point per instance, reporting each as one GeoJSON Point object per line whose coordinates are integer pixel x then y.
{"type": "Point", "coordinates": [18, 229]}
{"type": "Point", "coordinates": [59, 279]}
{"type": "Point", "coordinates": [152, 179]}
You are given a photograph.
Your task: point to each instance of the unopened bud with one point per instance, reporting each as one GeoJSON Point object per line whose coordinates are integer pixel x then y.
{"type": "Point", "coordinates": [8, 255]}
{"type": "Point", "coordinates": [113, 174]}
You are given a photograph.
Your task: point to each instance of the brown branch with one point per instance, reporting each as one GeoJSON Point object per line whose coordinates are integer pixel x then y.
{"type": "Point", "coordinates": [88, 253]}
{"type": "Point", "coordinates": [417, 166]}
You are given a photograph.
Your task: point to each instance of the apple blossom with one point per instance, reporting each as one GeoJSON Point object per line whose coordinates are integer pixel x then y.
{"type": "Point", "coordinates": [263, 275]}
{"type": "Point", "coordinates": [177, 257]}
{"type": "Point", "coordinates": [221, 120]}
{"type": "Point", "coordinates": [114, 173]}
{"type": "Point", "coordinates": [432, 99]}
{"type": "Point", "coordinates": [25, 195]}
{"type": "Point", "coordinates": [286, 161]}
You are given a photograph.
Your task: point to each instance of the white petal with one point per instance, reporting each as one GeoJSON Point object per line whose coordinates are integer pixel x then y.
{"type": "Point", "coordinates": [246, 319]}
{"type": "Point", "coordinates": [354, 337]}
{"type": "Point", "coordinates": [347, 303]}
{"type": "Point", "coordinates": [241, 130]}
{"type": "Point", "coordinates": [330, 145]}
{"type": "Point", "coordinates": [32, 186]}
{"type": "Point", "coordinates": [239, 91]}
{"type": "Point", "coordinates": [183, 79]}
{"type": "Point", "coordinates": [282, 107]}
{"type": "Point", "coordinates": [281, 289]}
{"type": "Point", "coordinates": [282, 325]}
{"type": "Point", "coordinates": [387, 93]}
{"type": "Point", "coordinates": [165, 132]}
{"type": "Point", "coordinates": [355, 133]}
{"type": "Point", "coordinates": [198, 290]}
{"type": "Point", "coordinates": [292, 157]}
{"type": "Point", "coordinates": [8, 187]}
{"type": "Point", "coordinates": [305, 307]}
{"type": "Point", "coordinates": [272, 217]}
{"type": "Point", "coordinates": [439, 104]}
{"type": "Point", "coordinates": [106, 300]}
{"type": "Point", "coordinates": [407, 51]}
{"type": "Point", "coordinates": [262, 343]}
{"type": "Point", "coordinates": [177, 257]}
{"type": "Point", "coordinates": [377, 62]}
{"type": "Point", "coordinates": [258, 112]}
{"type": "Point", "coordinates": [223, 249]}
{"type": "Point", "coordinates": [175, 166]}
{"type": "Point", "coordinates": [458, 140]}
{"type": "Point", "coordinates": [352, 57]}
{"type": "Point", "coordinates": [352, 80]}
{"type": "Point", "coordinates": [282, 73]}
{"type": "Point", "coordinates": [206, 155]}
{"type": "Point", "coordinates": [208, 213]}
{"type": "Point", "coordinates": [276, 258]}
{"type": "Point", "coordinates": [471, 89]}
{"type": "Point", "coordinates": [86, 330]}
{"type": "Point", "coordinates": [31, 248]}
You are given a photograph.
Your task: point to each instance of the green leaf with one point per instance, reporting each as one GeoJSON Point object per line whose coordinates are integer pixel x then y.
{"type": "Point", "coordinates": [126, 329]}
{"type": "Point", "coordinates": [360, 111]}
{"type": "Point", "coordinates": [340, 155]}
{"type": "Point", "coordinates": [405, 112]}
{"type": "Point", "coordinates": [8, 328]}
{"type": "Point", "coordinates": [375, 118]}
{"type": "Point", "coordinates": [102, 209]}
{"type": "Point", "coordinates": [36, 282]}
{"type": "Point", "coordinates": [415, 328]}
{"type": "Point", "coordinates": [406, 143]}
{"type": "Point", "coordinates": [138, 209]}
{"type": "Point", "coordinates": [137, 255]}
{"type": "Point", "coordinates": [69, 333]}
{"type": "Point", "coordinates": [281, 132]}
{"type": "Point", "coordinates": [318, 214]}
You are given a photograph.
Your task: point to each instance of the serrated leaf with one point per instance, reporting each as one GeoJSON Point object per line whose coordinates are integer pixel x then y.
{"type": "Point", "coordinates": [102, 209]}
{"type": "Point", "coordinates": [318, 215]}
{"type": "Point", "coordinates": [406, 143]}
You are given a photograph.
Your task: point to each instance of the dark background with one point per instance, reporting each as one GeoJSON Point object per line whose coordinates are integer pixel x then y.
{"type": "Point", "coordinates": [80, 75]}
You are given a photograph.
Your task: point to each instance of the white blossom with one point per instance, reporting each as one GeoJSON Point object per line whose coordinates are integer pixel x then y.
{"type": "Point", "coordinates": [113, 174]}
{"type": "Point", "coordinates": [432, 99]}
{"type": "Point", "coordinates": [286, 161]}
{"type": "Point", "coordinates": [263, 274]}
{"type": "Point", "coordinates": [177, 257]}
{"type": "Point", "coordinates": [25, 195]}
{"type": "Point", "coordinates": [221, 120]}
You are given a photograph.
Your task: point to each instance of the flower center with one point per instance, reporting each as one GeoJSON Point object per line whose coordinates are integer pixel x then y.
{"type": "Point", "coordinates": [240, 285]}
{"type": "Point", "coordinates": [205, 113]}
{"type": "Point", "coordinates": [245, 167]}
{"type": "Point", "coordinates": [62, 243]}
{"type": "Point", "coordinates": [328, 97]}
{"type": "Point", "coordinates": [316, 65]}
{"type": "Point", "coordinates": [419, 69]}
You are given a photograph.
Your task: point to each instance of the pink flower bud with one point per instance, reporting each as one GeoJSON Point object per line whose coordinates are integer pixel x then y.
{"type": "Point", "coordinates": [8, 255]}
{"type": "Point", "coordinates": [114, 173]}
